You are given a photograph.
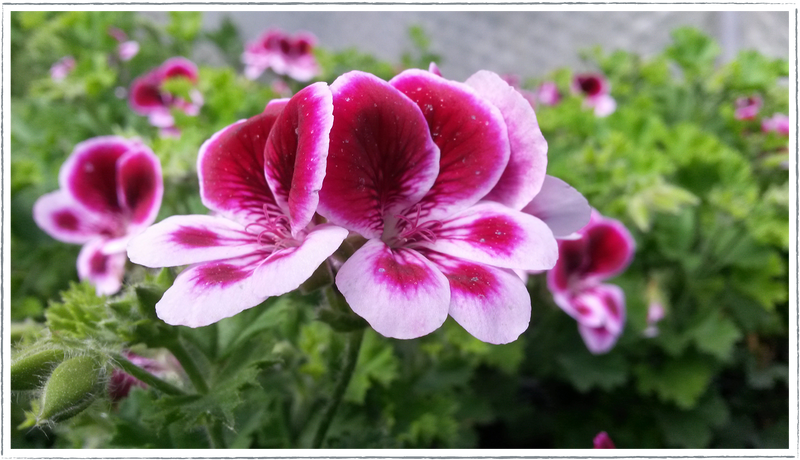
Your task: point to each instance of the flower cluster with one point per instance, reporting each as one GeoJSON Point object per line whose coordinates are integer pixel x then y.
{"type": "Point", "coordinates": [603, 249]}
{"type": "Point", "coordinates": [428, 176]}
{"type": "Point", "coordinates": [748, 107]}
{"type": "Point", "coordinates": [149, 97]}
{"type": "Point", "coordinates": [778, 123]}
{"type": "Point", "coordinates": [597, 92]}
{"type": "Point", "coordinates": [284, 54]}
{"type": "Point", "coordinates": [111, 188]}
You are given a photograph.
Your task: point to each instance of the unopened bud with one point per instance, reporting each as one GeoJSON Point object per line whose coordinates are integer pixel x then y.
{"type": "Point", "coordinates": [71, 388]}
{"type": "Point", "coordinates": [29, 372]}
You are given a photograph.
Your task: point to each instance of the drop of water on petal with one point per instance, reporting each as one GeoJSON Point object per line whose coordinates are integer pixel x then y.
{"type": "Point", "coordinates": [381, 270]}
{"type": "Point", "coordinates": [483, 240]}
{"type": "Point", "coordinates": [474, 278]}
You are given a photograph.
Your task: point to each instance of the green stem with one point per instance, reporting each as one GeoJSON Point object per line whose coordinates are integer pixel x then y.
{"type": "Point", "coordinates": [349, 365]}
{"type": "Point", "coordinates": [189, 366]}
{"type": "Point", "coordinates": [216, 440]}
{"type": "Point", "coordinates": [146, 377]}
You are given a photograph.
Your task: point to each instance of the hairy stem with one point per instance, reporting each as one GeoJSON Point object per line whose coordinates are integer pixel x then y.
{"type": "Point", "coordinates": [146, 377]}
{"type": "Point", "coordinates": [348, 366]}
{"type": "Point", "coordinates": [189, 366]}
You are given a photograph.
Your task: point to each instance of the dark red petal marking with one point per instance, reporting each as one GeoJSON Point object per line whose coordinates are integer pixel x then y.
{"type": "Point", "coordinates": [141, 187]}
{"type": "Point", "coordinates": [470, 134]}
{"type": "Point", "coordinates": [231, 167]}
{"type": "Point", "coordinates": [195, 237]}
{"type": "Point", "coordinates": [571, 257]}
{"type": "Point", "coordinates": [90, 174]}
{"type": "Point", "coordinates": [398, 268]}
{"type": "Point", "coordinates": [97, 264]}
{"type": "Point", "coordinates": [179, 67]}
{"type": "Point", "coordinates": [471, 278]}
{"type": "Point", "coordinates": [381, 158]}
{"type": "Point", "coordinates": [145, 95]}
{"type": "Point", "coordinates": [609, 250]}
{"type": "Point", "coordinates": [219, 273]}
{"type": "Point", "coordinates": [66, 220]}
{"type": "Point", "coordinates": [497, 233]}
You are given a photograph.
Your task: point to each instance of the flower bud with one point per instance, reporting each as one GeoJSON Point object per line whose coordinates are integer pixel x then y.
{"type": "Point", "coordinates": [71, 388]}
{"type": "Point", "coordinates": [29, 372]}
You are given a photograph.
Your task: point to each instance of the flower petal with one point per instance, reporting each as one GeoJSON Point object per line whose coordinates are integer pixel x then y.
{"type": "Point", "coordinates": [560, 206]}
{"type": "Point", "coordinates": [598, 340]}
{"type": "Point", "coordinates": [90, 172]}
{"type": "Point", "coordinates": [145, 95]}
{"type": "Point", "coordinates": [178, 67]}
{"type": "Point", "coordinates": [105, 271]}
{"type": "Point", "coordinates": [206, 293]}
{"type": "Point", "coordinates": [493, 234]}
{"type": "Point", "coordinates": [525, 172]}
{"type": "Point", "coordinates": [571, 256]}
{"type": "Point", "coordinates": [381, 158]}
{"type": "Point", "coordinates": [140, 186]}
{"type": "Point", "coordinates": [609, 300]}
{"type": "Point", "coordinates": [399, 292]}
{"type": "Point", "coordinates": [492, 304]}
{"type": "Point", "coordinates": [471, 136]}
{"type": "Point", "coordinates": [297, 152]}
{"type": "Point", "coordinates": [61, 217]}
{"type": "Point", "coordinates": [609, 249]}
{"type": "Point", "coordinates": [230, 166]}
{"type": "Point", "coordinates": [184, 240]}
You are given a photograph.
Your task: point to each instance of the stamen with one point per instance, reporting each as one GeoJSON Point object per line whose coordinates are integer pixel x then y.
{"type": "Point", "coordinates": [412, 232]}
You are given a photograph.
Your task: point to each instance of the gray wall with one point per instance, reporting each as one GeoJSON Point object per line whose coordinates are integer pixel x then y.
{"type": "Point", "coordinates": [527, 43]}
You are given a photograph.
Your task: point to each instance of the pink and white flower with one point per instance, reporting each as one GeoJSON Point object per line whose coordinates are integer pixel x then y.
{"type": "Point", "coordinates": [127, 49]}
{"type": "Point", "coordinates": [655, 313]}
{"type": "Point", "coordinates": [548, 93]}
{"type": "Point", "coordinates": [778, 123]}
{"type": "Point", "coordinates": [433, 174]}
{"type": "Point", "coordinates": [261, 178]}
{"type": "Point", "coordinates": [62, 68]}
{"type": "Point", "coordinates": [285, 55]}
{"type": "Point", "coordinates": [597, 92]}
{"type": "Point", "coordinates": [148, 96]}
{"type": "Point", "coordinates": [121, 383]}
{"type": "Point", "coordinates": [748, 107]}
{"type": "Point", "coordinates": [111, 189]}
{"type": "Point", "coordinates": [603, 250]}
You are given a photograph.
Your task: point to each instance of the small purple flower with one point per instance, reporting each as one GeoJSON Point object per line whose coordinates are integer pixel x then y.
{"type": "Point", "coordinates": [603, 441]}
{"type": "Point", "coordinates": [778, 123]}
{"type": "Point", "coordinates": [747, 107]}
{"type": "Point", "coordinates": [261, 177]}
{"type": "Point", "coordinates": [604, 249]}
{"type": "Point", "coordinates": [126, 49]}
{"type": "Point", "coordinates": [62, 68]}
{"type": "Point", "coordinates": [111, 189]}
{"type": "Point", "coordinates": [597, 92]}
{"type": "Point", "coordinates": [148, 97]}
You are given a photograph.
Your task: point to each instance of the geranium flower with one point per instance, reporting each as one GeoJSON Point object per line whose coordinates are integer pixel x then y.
{"type": "Point", "coordinates": [62, 68]}
{"type": "Point", "coordinates": [111, 189]}
{"type": "Point", "coordinates": [548, 93]}
{"type": "Point", "coordinates": [778, 123]}
{"type": "Point", "coordinates": [409, 163]}
{"type": "Point", "coordinates": [126, 49]}
{"type": "Point", "coordinates": [605, 248]}
{"type": "Point", "coordinates": [603, 441]}
{"type": "Point", "coordinates": [261, 178]}
{"type": "Point", "coordinates": [286, 55]}
{"type": "Point", "coordinates": [148, 96]}
{"type": "Point", "coordinates": [596, 90]}
{"type": "Point", "coordinates": [747, 107]}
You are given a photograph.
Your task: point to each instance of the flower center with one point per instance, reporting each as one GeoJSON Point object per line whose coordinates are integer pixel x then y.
{"type": "Point", "coordinates": [273, 230]}
{"type": "Point", "coordinates": [412, 231]}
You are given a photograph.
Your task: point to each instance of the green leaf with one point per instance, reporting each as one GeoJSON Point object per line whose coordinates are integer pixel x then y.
{"type": "Point", "coordinates": [377, 363]}
{"type": "Point", "coordinates": [681, 381]}
{"type": "Point", "coordinates": [586, 371]}
{"type": "Point", "coordinates": [716, 335]}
